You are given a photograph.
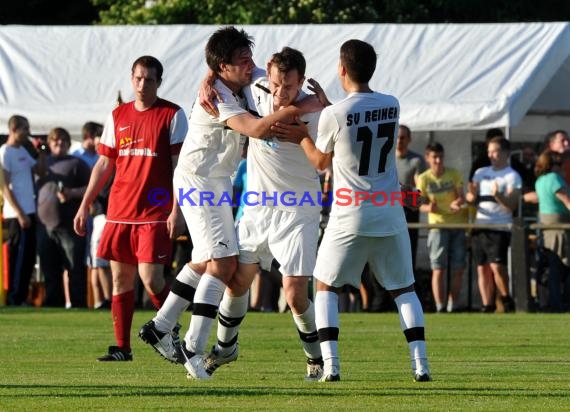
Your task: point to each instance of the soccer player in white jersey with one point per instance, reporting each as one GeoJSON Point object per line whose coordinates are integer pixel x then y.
{"type": "Point", "coordinates": [281, 227]}
{"type": "Point", "coordinates": [361, 130]}
{"type": "Point", "coordinates": [208, 158]}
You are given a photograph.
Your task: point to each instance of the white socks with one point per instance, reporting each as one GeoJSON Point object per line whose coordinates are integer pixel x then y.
{"type": "Point", "coordinates": [206, 301]}
{"type": "Point", "coordinates": [231, 313]}
{"type": "Point", "coordinates": [307, 329]}
{"type": "Point", "coordinates": [412, 323]}
{"type": "Point", "coordinates": [327, 322]}
{"type": "Point", "coordinates": [177, 300]}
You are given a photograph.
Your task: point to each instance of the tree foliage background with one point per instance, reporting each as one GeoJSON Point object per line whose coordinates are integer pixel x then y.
{"type": "Point", "coordinates": [326, 11]}
{"type": "Point", "coordinates": [279, 11]}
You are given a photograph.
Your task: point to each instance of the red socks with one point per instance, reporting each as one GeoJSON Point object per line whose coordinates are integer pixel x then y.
{"type": "Point", "coordinates": [122, 309]}
{"type": "Point", "coordinates": [158, 299]}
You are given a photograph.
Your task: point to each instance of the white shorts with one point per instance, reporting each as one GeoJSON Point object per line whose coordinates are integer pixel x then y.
{"type": "Point", "coordinates": [208, 214]}
{"type": "Point", "coordinates": [291, 238]}
{"type": "Point", "coordinates": [98, 225]}
{"type": "Point", "coordinates": [342, 257]}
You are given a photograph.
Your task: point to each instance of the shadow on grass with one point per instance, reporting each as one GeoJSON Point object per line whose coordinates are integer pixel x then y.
{"type": "Point", "coordinates": [339, 389]}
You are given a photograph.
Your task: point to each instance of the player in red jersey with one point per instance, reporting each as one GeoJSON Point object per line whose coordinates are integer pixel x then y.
{"type": "Point", "coordinates": [140, 144]}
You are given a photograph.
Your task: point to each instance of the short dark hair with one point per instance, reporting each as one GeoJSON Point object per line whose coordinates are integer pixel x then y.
{"type": "Point", "coordinates": [16, 121]}
{"type": "Point", "coordinates": [503, 143]}
{"type": "Point", "coordinates": [359, 60]}
{"type": "Point", "coordinates": [289, 59]}
{"type": "Point", "coordinates": [93, 129]}
{"type": "Point", "coordinates": [149, 62]}
{"type": "Point", "coordinates": [223, 43]}
{"type": "Point", "coordinates": [407, 129]}
{"type": "Point", "coordinates": [495, 132]}
{"type": "Point", "coordinates": [435, 147]}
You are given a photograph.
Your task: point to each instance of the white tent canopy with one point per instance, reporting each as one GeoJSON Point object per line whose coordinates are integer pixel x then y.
{"type": "Point", "coordinates": [447, 76]}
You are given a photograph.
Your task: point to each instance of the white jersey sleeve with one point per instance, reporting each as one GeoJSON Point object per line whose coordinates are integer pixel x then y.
{"type": "Point", "coordinates": [178, 127]}
{"type": "Point", "coordinates": [232, 105]}
{"type": "Point", "coordinates": [257, 94]}
{"type": "Point", "coordinates": [211, 148]}
{"type": "Point", "coordinates": [328, 129]}
{"type": "Point", "coordinates": [108, 135]}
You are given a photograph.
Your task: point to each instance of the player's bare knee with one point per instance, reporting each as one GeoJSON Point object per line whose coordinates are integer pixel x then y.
{"type": "Point", "coordinates": [199, 268]}
{"type": "Point", "coordinates": [223, 269]}
{"type": "Point", "coordinates": [122, 283]}
{"type": "Point", "coordinates": [238, 285]}
{"type": "Point", "coordinates": [297, 298]}
{"type": "Point", "coordinates": [153, 284]}
{"type": "Point", "coordinates": [298, 304]}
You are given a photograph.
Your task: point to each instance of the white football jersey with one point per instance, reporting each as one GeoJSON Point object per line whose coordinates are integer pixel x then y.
{"type": "Point", "coordinates": [361, 130]}
{"type": "Point", "coordinates": [211, 148]}
{"type": "Point", "coordinates": [279, 170]}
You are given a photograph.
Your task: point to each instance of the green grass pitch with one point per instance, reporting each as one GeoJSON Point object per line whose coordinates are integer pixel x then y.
{"type": "Point", "coordinates": [514, 362]}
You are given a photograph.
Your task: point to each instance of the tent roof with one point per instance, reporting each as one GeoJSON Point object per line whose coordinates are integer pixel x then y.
{"type": "Point", "coordinates": [447, 76]}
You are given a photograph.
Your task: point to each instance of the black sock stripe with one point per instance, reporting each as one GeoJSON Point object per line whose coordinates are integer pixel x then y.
{"type": "Point", "coordinates": [228, 322]}
{"type": "Point", "coordinates": [205, 309]}
{"type": "Point", "coordinates": [183, 290]}
{"type": "Point", "coordinates": [328, 334]}
{"type": "Point", "coordinates": [315, 361]}
{"type": "Point", "coordinates": [309, 337]}
{"type": "Point", "coordinates": [414, 334]}
{"type": "Point", "coordinates": [229, 344]}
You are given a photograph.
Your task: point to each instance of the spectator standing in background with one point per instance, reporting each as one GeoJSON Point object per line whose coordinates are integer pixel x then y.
{"type": "Point", "coordinates": [59, 195]}
{"type": "Point", "coordinates": [101, 280]}
{"type": "Point", "coordinates": [99, 271]}
{"type": "Point", "coordinates": [496, 191]}
{"type": "Point", "coordinates": [553, 205]}
{"type": "Point", "coordinates": [443, 188]}
{"type": "Point", "coordinates": [410, 165]}
{"type": "Point", "coordinates": [87, 151]}
{"type": "Point", "coordinates": [19, 208]}
{"type": "Point", "coordinates": [140, 144]}
{"type": "Point", "coordinates": [483, 160]}
{"type": "Point", "coordinates": [557, 141]}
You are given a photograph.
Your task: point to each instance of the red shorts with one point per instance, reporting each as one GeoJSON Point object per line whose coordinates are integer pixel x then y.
{"type": "Point", "coordinates": [136, 243]}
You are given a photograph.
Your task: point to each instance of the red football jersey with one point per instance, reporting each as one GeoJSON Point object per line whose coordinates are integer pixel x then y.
{"type": "Point", "coordinates": [142, 143]}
